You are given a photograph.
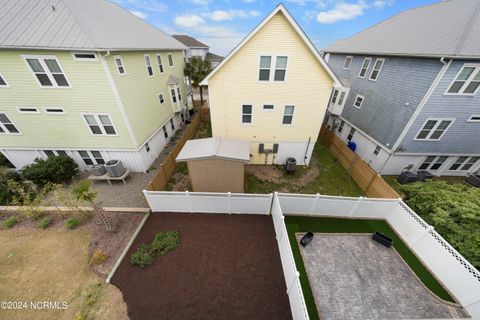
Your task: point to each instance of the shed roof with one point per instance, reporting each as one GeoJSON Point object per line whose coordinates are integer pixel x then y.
{"type": "Point", "coordinates": [217, 147]}
{"type": "Point", "coordinates": [77, 25]}
{"type": "Point", "coordinates": [445, 29]}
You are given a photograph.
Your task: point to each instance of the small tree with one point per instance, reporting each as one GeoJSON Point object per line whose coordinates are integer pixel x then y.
{"type": "Point", "coordinates": [82, 192]}
{"type": "Point", "coordinates": [196, 70]}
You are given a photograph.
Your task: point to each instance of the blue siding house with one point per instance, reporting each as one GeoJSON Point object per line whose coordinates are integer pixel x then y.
{"type": "Point", "coordinates": [411, 90]}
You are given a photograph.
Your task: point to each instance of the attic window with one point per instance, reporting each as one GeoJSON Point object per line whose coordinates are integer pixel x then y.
{"type": "Point", "coordinates": [3, 82]}
{"type": "Point", "coordinates": [84, 56]}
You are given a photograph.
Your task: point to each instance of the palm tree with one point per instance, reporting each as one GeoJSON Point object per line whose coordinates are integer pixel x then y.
{"type": "Point", "coordinates": [196, 70]}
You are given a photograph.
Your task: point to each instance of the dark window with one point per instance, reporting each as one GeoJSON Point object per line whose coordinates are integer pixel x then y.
{"type": "Point", "coordinates": [172, 125]}
{"type": "Point", "coordinates": [288, 115]}
{"type": "Point", "coordinates": [165, 132]}
{"type": "Point", "coordinates": [265, 62]}
{"type": "Point", "coordinates": [3, 83]}
{"type": "Point", "coordinates": [85, 56]}
{"type": "Point", "coordinates": [350, 134]}
{"type": "Point", "coordinates": [247, 113]}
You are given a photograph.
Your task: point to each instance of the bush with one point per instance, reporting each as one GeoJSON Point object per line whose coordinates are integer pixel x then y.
{"type": "Point", "coordinates": [98, 257]}
{"type": "Point", "coordinates": [72, 223]}
{"type": "Point", "coordinates": [453, 210]}
{"type": "Point", "coordinates": [163, 243]}
{"type": "Point", "coordinates": [44, 223]}
{"type": "Point", "coordinates": [53, 169]}
{"type": "Point", "coordinates": [10, 222]}
{"type": "Point", "coordinates": [7, 193]}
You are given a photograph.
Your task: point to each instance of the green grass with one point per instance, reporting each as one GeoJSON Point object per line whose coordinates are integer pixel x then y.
{"type": "Point", "coordinates": [337, 225]}
{"type": "Point", "coordinates": [333, 179]}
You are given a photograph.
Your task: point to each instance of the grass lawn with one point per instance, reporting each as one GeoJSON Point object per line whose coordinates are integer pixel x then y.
{"type": "Point", "coordinates": [204, 130]}
{"type": "Point", "coordinates": [52, 265]}
{"type": "Point", "coordinates": [325, 175]}
{"type": "Point", "coordinates": [336, 225]}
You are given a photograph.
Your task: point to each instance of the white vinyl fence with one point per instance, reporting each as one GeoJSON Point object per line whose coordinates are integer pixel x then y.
{"type": "Point", "coordinates": [292, 276]}
{"type": "Point", "coordinates": [209, 202]}
{"type": "Point", "coordinates": [453, 270]}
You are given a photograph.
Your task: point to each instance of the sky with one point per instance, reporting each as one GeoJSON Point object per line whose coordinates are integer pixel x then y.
{"type": "Point", "coordinates": [222, 24]}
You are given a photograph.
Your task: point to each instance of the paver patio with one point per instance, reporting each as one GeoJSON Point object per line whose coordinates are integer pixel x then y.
{"type": "Point", "coordinates": [353, 277]}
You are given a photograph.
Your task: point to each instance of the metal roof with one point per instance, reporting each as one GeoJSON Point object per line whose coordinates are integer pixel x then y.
{"type": "Point", "coordinates": [77, 25]}
{"type": "Point", "coordinates": [218, 147]}
{"type": "Point", "coordinates": [189, 41]}
{"type": "Point", "coordinates": [172, 80]}
{"type": "Point", "coordinates": [445, 29]}
{"type": "Point", "coordinates": [213, 57]}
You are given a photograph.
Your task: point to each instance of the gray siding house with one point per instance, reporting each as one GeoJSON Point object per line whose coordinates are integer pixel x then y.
{"type": "Point", "coordinates": [411, 94]}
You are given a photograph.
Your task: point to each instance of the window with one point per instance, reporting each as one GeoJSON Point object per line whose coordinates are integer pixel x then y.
{"type": "Point", "coordinates": [49, 153]}
{"type": "Point", "coordinates": [100, 124]}
{"type": "Point", "coordinates": [432, 163]}
{"type": "Point", "coordinates": [160, 64]}
{"type": "Point", "coordinates": [147, 147]}
{"type": "Point", "coordinates": [376, 69]}
{"type": "Point", "coordinates": [173, 94]}
{"type": "Point", "coordinates": [165, 133]}
{"type": "Point", "coordinates": [55, 153]}
{"type": "Point", "coordinates": [170, 60]}
{"type": "Point", "coordinates": [358, 101]}
{"type": "Point", "coordinates": [28, 110]}
{"type": "Point", "coordinates": [172, 125]}
{"type": "Point", "coordinates": [265, 62]}
{"type": "Point", "coordinates": [350, 134]}
{"type": "Point", "coordinates": [348, 62]}
{"type": "Point", "coordinates": [474, 118]}
{"type": "Point", "coordinates": [365, 65]}
{"type": "Point", "coordinates": [340, 127]}
{"type": "Point", "coordinates": [335, 95]}
{"type": "Point", "coordinates": [464, 163]}
{"type": "Point", "coordinates": [84, 56]}
{"type": "Point", "coordinates": [149, 65]}
{"type": "Point", "coordinates": [179, 94]}
{"type": "Point", "coordinates": [161, 98]}
{"type": "Point", "coordinates": [91, 157]}
{"type": "Point", "coordinates": [247, 113]}
{"type": "Point", "coordinates": [433, 129]}
{"type": "Point", "coordinates": [7, 126]}
{"type": "Point", "coordinates": [280, 69]}
{"type": "Point", "coordinates": [119, 64]}
{"type": "Point", "coordinates": [3, 82]}
{"type": "Point", "coordinates": [47, 70]}
{"type": "Point", "coordinates": [467, 81]}
{"type": "Point", "coordinates": [288, 115]}
{"type": "Point", "coordinates": [377, 150]}
{"type": "Point", "coordinates": [268, 107]}
{"type": "Point", "coordinates": [57, 110]}
{"type": "Point", "coordinates": [342, 98]}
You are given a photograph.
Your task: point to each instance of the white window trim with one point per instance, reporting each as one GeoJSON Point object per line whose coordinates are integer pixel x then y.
{"type": "Point", "coordinates": [40, 59]}
{"type": "Point", "coordinates": [19, 109]}
{"type": "Point", "coordinates": [467, 82]}
{"type": "Point", "coordinates": [7, 85]}
{"type": "Point", "coordinates": [148, 66]}
{"type": "Point", "coordinates": [115, 57]}
{"type": "Point", "coordinates": [6, 131]}
{"type": "Point", "coordinates": [97, 119]}
{"type": "Point", "coordinates": [241, 114]}
{"type": "Point", "coordinates": [439, 120]}
{"type": "Point", "coordinates": [158, 64]}
{"type": "Point", "coordinates": [368, 67]}
{"type": "Point", "coordinates": [53, 107]}
{"type": "Point", "coordinates": [379, 70]}
{"type": "Point", "coordinates": [283, 115]}
{"type": "Point", "coordinates": [269, 104]}
{"type": "Point", "coordinates": [90, 155]}
{"type": "Point", "coordinates": [375, 149]}
{"type": "Point", "coordinates": [174, 88]}
{"type": "Point", "coordinates": [163, 96]}
{"type": "Point", "coordinates": [355, 101]}
{"type": "Point", "coordinates": [273, 63]}
{"type": "Point", "coordinates": [84, 59]}
{"type": "Point", "coordinates": [350, 65]}
{"type": "Point", "coordinates": [474, 116]}
{"type": "Point", "coordinates": [173, 61]}
{"type": "Point", "coordinates": [434, 161]}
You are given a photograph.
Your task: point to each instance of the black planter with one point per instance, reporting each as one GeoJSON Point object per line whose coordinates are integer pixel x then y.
{"type": "Point", "coordinates": [474, 180]}
{"type": "Point", "coordinates": [382, 239]}
{"type": "Point", "coordinates": [306, 239]}
{"type": "Point", "coordinates": [407, 177]}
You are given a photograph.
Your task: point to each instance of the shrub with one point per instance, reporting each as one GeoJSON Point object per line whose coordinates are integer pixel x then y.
{"type": "Point", "coordinates": [72, 223]}
{"type": "Point", "coordinates": [10, 222]}
{"type": "Point", "coordinates": [7, 178]}
{"type": "Point", "coordinates": [163, 243]}
{"type": "Point", "coordinates": [80, 316]}
{"type": "Point", "coordinates": [44, 223]}
{"type": "Point", "coordinates": [53, 169]}
{"type": "Point", "coordinates": [98, 257]}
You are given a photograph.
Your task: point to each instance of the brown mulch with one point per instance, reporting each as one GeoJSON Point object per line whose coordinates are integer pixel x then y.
{"type": "Point", "coordinates": [277, 174]}
{"type": "Point", "coordinates": [226, 267]}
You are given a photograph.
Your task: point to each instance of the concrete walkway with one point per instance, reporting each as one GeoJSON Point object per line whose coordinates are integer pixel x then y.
{"type": "Point", "coordinates": [353, 277]}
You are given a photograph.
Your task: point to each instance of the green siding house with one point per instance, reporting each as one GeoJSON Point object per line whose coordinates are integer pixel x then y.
{"type": "Point", "coordinates": [87, 79]}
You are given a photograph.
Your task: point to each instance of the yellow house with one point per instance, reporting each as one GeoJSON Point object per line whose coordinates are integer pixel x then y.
{"type": "Point", "coordinates": [272, 90]}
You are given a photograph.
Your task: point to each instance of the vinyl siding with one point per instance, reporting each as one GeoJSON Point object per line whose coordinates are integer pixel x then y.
{"type": "Point", "coordinates": [307, 87]}
{"type": "Point", "coordinates": [462, 137]}
{"type": "Point", "coordinates": [89, 92]}
{"type": "Point", "coordinates": [139, 92]}
{"type": "Point", "coordinates": [391, 100]}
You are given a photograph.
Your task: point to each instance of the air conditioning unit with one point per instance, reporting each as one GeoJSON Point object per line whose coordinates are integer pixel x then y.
{"type": "Point", "coordinates": [115, 168]}
{"type": "Point", "coordinates": [98, 170]}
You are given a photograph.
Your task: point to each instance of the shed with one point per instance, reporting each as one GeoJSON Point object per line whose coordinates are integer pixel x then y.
{"type": "Point", "coordinates": [216, 164]}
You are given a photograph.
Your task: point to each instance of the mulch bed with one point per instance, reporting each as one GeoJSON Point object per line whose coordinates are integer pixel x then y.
{"type": "Point", "coordinates": [226, 267]}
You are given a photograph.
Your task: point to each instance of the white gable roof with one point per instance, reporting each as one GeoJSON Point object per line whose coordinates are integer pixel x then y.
{"type": "Point", "coordinates": [218, 147]}
{"type": "Point", "coordinates": [77, 25]}
{"type": "Point", "coordinates": [303, 36]}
